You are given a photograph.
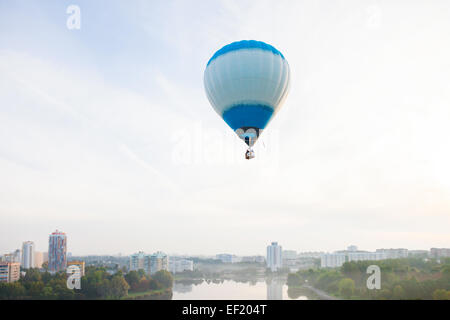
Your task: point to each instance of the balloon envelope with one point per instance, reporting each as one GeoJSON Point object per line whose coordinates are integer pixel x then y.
{"type": "Point", "coordinates": [246, 83]}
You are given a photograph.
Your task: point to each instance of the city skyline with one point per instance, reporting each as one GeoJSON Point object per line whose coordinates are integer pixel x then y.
{"type": "Point", "coordinates": [229, 253]}
{"type": "Point", "coordinates": [107, 134]}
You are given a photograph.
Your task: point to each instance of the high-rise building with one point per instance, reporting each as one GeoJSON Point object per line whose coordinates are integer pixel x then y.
{"type": "Point", "coordinates": [57, 248]}
{"type": "Point", "coordinates": [140, 261]}
{"type": "Point", "coordinates": [9, 271]}
{"type": "Point", "coordinates": [17, 256]}
{"type": "Point", "coordinates": [28, 255]}
{"type": "Point", "coordinates": [150, 263]}
{"type": "Point", "coordinates": [159, 261]}
{"type": "Point", "coordinates": [274, 257]}
{"type": "Point", "coordinates": [45, 257]}
{"type": "Point", "coordinates": [38, 259]}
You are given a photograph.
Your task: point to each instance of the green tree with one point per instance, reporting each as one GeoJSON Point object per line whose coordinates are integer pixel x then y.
{"type": "Point", "coordinates": [446, 271]}
{"type": "Point", "coordinates": [103, 288]}
{"type": "Point", "coordinates": [164, 277]}
{"type": "Point", "coordinates": [48, 294]}
{"type": "Point", "coordinates": [59, 288]}
{"type": "Point", "coordinates": [34, 289]}
{"type": "Point", "coordinates": [441, 294]}
{"type": "Point", "coordinates": [384, 294]}
{"type": "Point", "coordinates": [133, 279]}
{"type": "Point", "coordinates": [143, 285]}
{"type": "Point", "coordinates": [141, 273]}
{"type": "Point", "coordinates": [32, 275]}
{"type": "Point", "coordinates": [46, 277]}
{"type": "Point", "coordinates": [154, 285]}
{"type": "Point", "coordinates": [346, 287]}
{"type": "Point", "coordinates": [119, 287]}
{"type": "Point", "coordinates": [295, 293]}
{"type": "Point", "coordinates": [294, 280]}
{"type": "Point", "coordinates": [398, 292]}
{"type": "Point", "coordinates": [12, 291]}
{"type": "Point", "coordinates": [95, 283]}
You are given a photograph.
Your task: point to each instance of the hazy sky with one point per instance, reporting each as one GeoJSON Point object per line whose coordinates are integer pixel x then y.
{"type": "Point", "coordinates": [106, 132]}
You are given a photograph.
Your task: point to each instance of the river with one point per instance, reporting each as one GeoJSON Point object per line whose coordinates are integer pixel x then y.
{"type": "Point", "coordinates": [232, 290]}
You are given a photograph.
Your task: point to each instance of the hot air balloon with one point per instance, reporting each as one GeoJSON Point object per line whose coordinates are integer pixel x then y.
{"type": "Point", "coordinates": [246, 83]}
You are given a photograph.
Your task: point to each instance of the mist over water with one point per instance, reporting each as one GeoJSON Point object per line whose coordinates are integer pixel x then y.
{"type": "Point", "coordinates": [232, 290]}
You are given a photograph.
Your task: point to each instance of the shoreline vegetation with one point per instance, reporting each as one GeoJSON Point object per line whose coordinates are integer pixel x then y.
{"type": "Point", "coordinates": [159, 294]}
{"type": "Point", "coordinates": [96, 284]}
{"type": "Point", "coordinates": [401, 279]}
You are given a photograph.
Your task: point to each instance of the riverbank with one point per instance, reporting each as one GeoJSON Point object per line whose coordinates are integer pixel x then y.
{"type": "Point", "coordinates": [321, 294]}
{"type": "Point", "coordinates": [161, 294]}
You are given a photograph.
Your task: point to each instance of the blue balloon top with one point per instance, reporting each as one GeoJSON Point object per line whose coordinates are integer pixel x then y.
{"type": "Point", "coordinates": [245, 44]}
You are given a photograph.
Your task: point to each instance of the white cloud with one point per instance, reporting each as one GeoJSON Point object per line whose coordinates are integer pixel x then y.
{"type": "Point", "coordinates": [358, 153]}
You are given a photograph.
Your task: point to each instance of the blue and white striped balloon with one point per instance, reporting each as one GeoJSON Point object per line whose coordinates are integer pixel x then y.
{"type": "Point", "coordinates": [246, 83]}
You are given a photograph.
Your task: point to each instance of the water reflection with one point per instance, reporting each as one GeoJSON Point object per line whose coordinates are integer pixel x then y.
{"type": "Point", "coordinates": [275, 290]}
{"type": "Point", "coordinates": [270, 289]}
{"type": "Point", "coordinates": [181, 287]}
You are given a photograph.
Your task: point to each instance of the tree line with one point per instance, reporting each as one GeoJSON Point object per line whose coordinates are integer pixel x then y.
{"type": "Point", "coordinates": [401, 279]}
{"type": "Point", "coordinates": [97, 283]}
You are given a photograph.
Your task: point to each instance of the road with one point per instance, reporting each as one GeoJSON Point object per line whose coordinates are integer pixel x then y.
{"type": "Point", "coordinates": [323, 295]}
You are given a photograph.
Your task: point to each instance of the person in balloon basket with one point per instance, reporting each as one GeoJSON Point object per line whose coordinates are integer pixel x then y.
{"type": "Point", "coordinates": [250, 154]}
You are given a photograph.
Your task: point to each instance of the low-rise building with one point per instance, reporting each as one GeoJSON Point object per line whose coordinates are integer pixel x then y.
{"type": "Point", "coordinates": [9, 271]}
{"type": "Point", "coordinates": [332, 260]}
{"type": "Point", "coordinates": [439, 253]}
{"type": "Point", "coordinates": [12, 257]}
{"type": "Point", "coordinates": [228, 258]}
{"type": "Point", "coordinates": [177, 265]}
{"type": "Point", "coordinates": [418, 253]}
{"type": "Point", "coordinates": [314, 254]}
{"type": "Point", "coordinates": [365, 256]}
{"type": "Point", "coordinates": [338, 258]}
{"type": "Point", "coordinates": [394, 253]}
{"type": "Point", "coordinates": [256, 259]}
{"type": "Point", "coordinates": [289, 254]}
